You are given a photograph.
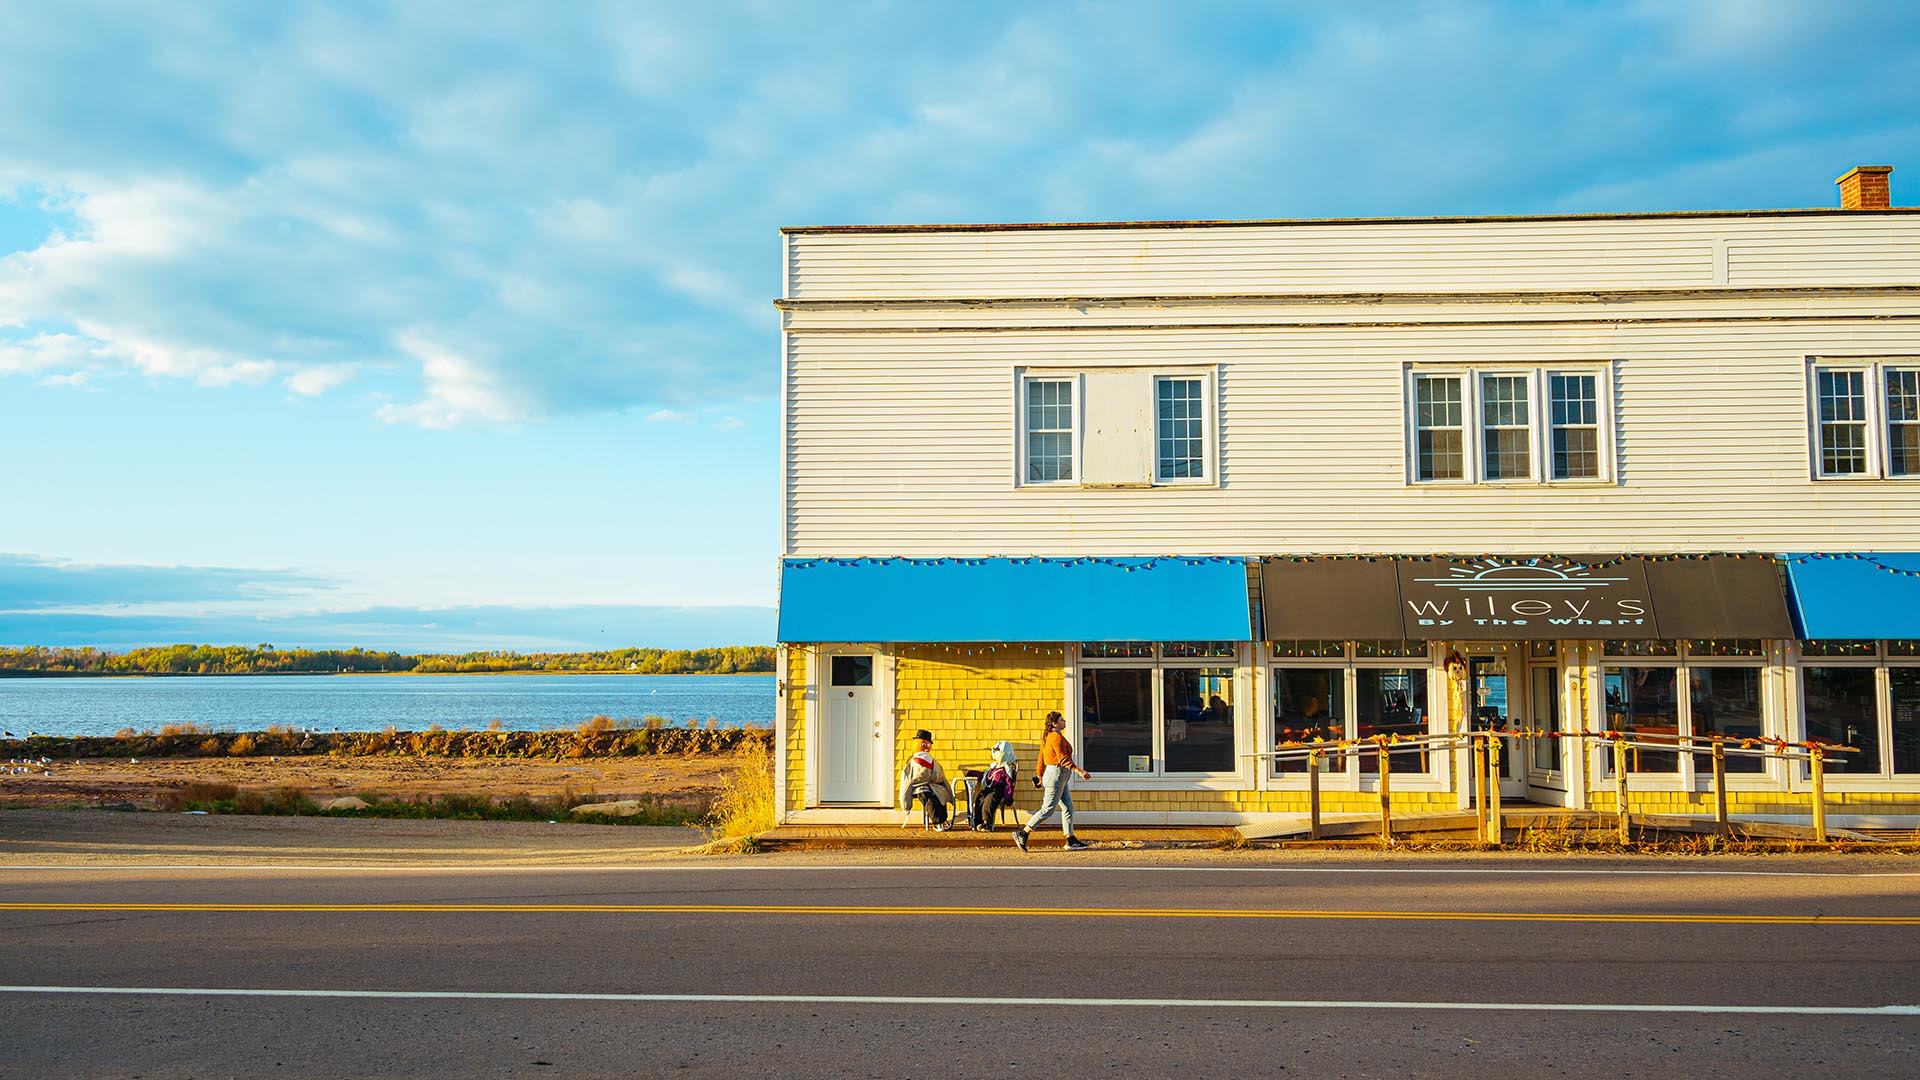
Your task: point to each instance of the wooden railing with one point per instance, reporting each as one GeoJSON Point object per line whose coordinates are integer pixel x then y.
{"type": "Point", "coordinates": [1486, 748]}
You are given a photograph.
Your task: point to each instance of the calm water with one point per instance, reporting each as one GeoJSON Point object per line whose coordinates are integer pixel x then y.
{"type": "Point", "coordinates": [371, 702]}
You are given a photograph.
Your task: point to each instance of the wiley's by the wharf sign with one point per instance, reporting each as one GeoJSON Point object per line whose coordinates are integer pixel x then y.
{"type": "Point", "coordinates": [1522, 597]}
{"type": "Point", "coordinates": [1525, 597]}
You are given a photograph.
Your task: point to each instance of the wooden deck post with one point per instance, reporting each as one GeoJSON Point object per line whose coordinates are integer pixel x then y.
{"type": "Point", "coordinates": [1620, 788]}
{"type": "Point", "coordinates": [1313, 794]}
{"type": "Point", "coordinates": [1494, 832]}
{"type": "Point", "coordinates": [1386, 795]}
{"type": "Point", "coordinates": [1480, 768]}
{"type": "Point", "coordinates": [1819, 763]}
{"type": "Point", "coordinates": [1720, 787]}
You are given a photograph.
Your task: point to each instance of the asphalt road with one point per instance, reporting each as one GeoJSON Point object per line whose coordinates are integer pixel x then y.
{"type": "Point", "coordinates": [762, 967]}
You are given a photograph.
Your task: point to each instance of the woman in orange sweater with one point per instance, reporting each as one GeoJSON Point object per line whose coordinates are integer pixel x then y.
{"type": "Point", "coordinates": [1056, 771]}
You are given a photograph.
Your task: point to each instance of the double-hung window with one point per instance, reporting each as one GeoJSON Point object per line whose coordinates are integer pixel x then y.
{"type": "Point", "coordinates": [1179, 428]}
{"type": "Point", "coordinates": [1048, 431]}
{"type": "Point", "coordinates": [1865, 418]}
{"type": "Point", "coordinates": [1529, 425]}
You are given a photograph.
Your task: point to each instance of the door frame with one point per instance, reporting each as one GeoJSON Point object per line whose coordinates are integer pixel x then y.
{"type": "Point", "coordinates": [820, 671]}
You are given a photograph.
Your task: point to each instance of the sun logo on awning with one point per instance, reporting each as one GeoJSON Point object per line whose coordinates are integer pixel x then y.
{"type": "Point", "coordinates": [1521, 575]}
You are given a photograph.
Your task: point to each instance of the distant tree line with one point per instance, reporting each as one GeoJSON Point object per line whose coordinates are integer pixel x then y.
{"type": "Point", "coordinates": [267, 660]}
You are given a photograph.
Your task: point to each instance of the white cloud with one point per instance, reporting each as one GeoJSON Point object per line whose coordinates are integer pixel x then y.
{"type": "Point", "coordinates": [314, 381]}
{"type": "Point", "coordinates": [498, 214]}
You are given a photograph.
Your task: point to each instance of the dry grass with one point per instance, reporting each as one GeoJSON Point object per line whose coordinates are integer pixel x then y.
{"type": "Point", "coordinates": [744, 806]}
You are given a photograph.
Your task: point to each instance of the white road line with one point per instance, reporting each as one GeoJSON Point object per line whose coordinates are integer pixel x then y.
{"type": "Point", "coordinates": [371, 868]}
{"type": "Point", "coordinates": [1049, 1002]}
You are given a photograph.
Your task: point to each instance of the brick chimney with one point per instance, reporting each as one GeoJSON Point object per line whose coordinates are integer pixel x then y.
{"type": "Point", "coordinates": [1865, 188]}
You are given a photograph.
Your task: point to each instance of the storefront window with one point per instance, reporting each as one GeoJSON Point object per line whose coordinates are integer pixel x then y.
{"type": "Point", "coordinates": [1904, 683]}
{"type": "Point", "coordinates": [1308, 704]}
{"type": "Point", "coordinates": [1309, 649]}
{"type": "Point", "coordinates": [1390, 701]}
{"type": "Point", "coordinates": [1725, 701]}
{"type": "Point", "coordinates": [1199, 719]}
{"type": "Point", "coordinates": [1838, 648]}
{"type": "Point", "coordinates": [1200, 650]}
{"type": "Point", "coordinates": [1116, 721]}
{"type": "Point", "coordinates": [1641, 702]}
{"type": "Point", "coordinates": [1840, 708]}
{"type": "Point", "coordinates": [1643, 648]}
{"type": "Point", "coordinates": [1117, 650]}
{"type": "Point", "coordinates": [1726, 647]}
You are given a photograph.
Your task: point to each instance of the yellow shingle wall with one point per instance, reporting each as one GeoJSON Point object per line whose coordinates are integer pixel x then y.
{"type": "Point", "coordinates": [796, 706]}
{"type": "Point", "coordinates": [972, 696]}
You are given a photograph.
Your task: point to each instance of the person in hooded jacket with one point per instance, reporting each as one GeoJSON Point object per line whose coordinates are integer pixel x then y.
{"type": "Point", "coordinates": [925, 779]}
{"type": "Point", "coordinates": [996, 786]}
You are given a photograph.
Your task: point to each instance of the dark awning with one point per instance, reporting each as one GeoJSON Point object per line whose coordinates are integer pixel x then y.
{"type": "Point", "coordinates": [1523, 597]}
{"type": "Point", "coordinates": [1857, 595]}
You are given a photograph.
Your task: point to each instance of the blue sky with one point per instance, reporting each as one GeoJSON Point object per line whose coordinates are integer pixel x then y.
{"type": "Point", "coordinates": [336, 323]}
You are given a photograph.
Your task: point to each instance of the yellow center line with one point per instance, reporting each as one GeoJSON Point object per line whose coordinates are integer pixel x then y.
{"type": "Point", "coordinates": [1017, 912]}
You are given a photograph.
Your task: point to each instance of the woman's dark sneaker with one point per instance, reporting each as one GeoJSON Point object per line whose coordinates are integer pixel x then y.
{"type": "Point", "coordinates": [1020, 839]}
{"type": "Point", "coordinates": [1074, 843]}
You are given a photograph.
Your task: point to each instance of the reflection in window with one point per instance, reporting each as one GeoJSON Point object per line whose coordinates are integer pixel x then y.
{"type": "Point", "coordinates": [1840, 708]}
{"type": "Point", "coordinates": [1905, 682]}
{"type": "Point", "coordinates": [1116, 722]}
{"type": "Point", "coordinates": [1308, 704]}
{"type": "Point", "coordinates": [1199, 704]}
{"type": "Point", "coordinates": [1390, 701]}
{"type": "Point", "coordinates": [1725, 701]}
{"type": "Point", "coordinates": [1640, 701]}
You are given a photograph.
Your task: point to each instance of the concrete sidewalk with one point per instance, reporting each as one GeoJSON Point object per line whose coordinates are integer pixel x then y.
{"type": "Point", "coordinates": [837, 837]}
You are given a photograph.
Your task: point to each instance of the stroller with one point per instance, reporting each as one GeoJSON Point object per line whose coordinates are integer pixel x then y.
{"type": "Point", "coordinates": [992, 786]}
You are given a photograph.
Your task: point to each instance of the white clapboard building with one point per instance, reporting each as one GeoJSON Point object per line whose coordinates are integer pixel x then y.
{"type": "Point", "coordinates": [1211, 488]}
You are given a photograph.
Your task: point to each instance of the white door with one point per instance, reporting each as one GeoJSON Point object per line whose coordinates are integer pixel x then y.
{"type": "Point", "coordinates": [850, 737]}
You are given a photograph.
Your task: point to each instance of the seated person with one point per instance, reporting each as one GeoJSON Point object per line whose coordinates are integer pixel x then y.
{"type": "Point", "coordinates": [996, 786]}
{"type": "Point", "coordinates": [925, 779]}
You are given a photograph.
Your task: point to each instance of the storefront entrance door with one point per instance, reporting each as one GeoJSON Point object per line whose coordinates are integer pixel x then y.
{"type": "Point", "coordinates": [1497, 701]}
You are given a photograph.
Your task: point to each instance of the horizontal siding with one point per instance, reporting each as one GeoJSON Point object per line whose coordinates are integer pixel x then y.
{"type": "Point", "coordinates": [903, 443]}
{"type": "Point", "coordinates": [1381, 257]}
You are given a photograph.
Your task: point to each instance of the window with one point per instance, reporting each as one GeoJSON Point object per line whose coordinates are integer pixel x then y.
{"type": "Point", "coordinates": [1505, 425]}
{"type": "Point", "coordinates": [1574, 415]}
{"type": "Point", "coordinates": [1668, 690]}
{"type": "Point", "coordinates": [1866, 419]}
{"type": "Point", "coordinates": [1332, 690]}
{"type": "Point", "coordinates": [1863, 694]}
{"type": "Point", "coordinates": [1114, 428]}
{"type": "Point", "coordinates": [1439, 437]}
{"type": "Point", "coordinates": [1903, 421]}
{"type": "Point", "coordinates": [1843, 423]}
{"type": "Point", "coordinates": [1049, 431]}
{"type": "Point", "coordinates": [1509, 426]}
{"type": "Point", "coordinates": [1165, 710]}
{"type": "Point", "coordinates": [1178, 429]}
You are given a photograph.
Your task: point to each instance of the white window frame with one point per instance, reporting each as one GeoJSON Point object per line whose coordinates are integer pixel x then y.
{"type": "Point", "coordinates": [1882, 662]}
{"type": "Point", "coordinates": [1349, 777]}
{"type": "Point", "coordinates": [1235, 779]}
{"type": "Point", "coordinates": [1539, 423]}
{"type": "Point", "coordinates": [1879, 448]}
{"type": "Point", "coordinates": [1210, 452]}
{"type": "Point", "coordinates": [1023, 381]}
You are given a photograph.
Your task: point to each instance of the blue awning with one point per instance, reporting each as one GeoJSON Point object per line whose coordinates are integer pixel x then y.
{"type": "Point", "coordinates": [1856, 595]}
{"type": "Point", "coordinates": [1169, 598]}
